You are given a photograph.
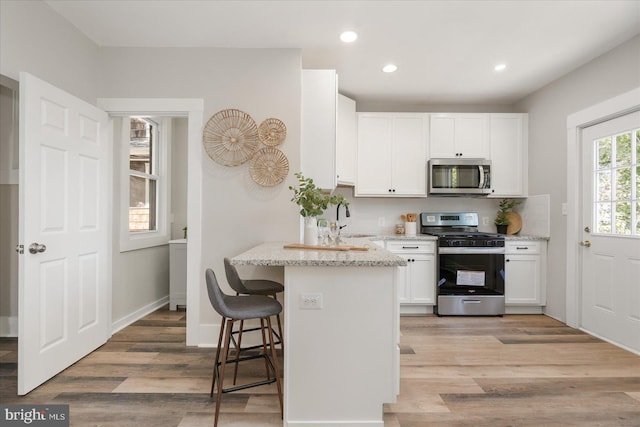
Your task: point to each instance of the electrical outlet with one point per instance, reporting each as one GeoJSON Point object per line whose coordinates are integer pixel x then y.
{"type": "Point", "coordinates": [311, 301]}
{"type": "Point", "coordinates": [485, 220]}
{"type": "Point", "coordinates": [381, 221]}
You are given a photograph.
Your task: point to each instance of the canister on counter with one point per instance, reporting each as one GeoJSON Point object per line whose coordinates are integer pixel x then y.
{"type": "Point", "coordinates": [400, 228]}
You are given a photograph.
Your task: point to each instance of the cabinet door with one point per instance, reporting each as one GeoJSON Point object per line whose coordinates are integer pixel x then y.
{"type": "Point", "coordinates": [508, 155]}
{"type": "Point", "coordinates": [346, 141]}
{"type": "Point", "coordinates": [408, 148]}
{"type": "Point", "coordinates": [522, 280]}
{"type": "Point", "coordinates": [403, 277]}
{"type": "Point", "coordinates": [442, 136]}
{"type": "Point", "coordinates": [422, 278]}
{"type": "Point", "coordinates": [472, 136]}
{"type": "Point", "coordinates": [318, 126]}
{"type": "Point", "coordinates": [374, 155]}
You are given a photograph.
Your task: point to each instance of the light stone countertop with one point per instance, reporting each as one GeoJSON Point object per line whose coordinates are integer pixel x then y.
{"type": "Point", "coordinates": [426, 237]}
{"type": "Point", "coordinates": [273, 254]}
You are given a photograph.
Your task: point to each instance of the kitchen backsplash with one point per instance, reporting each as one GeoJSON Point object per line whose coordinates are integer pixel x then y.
{"type": "Point", "coordinates": [380, 215]}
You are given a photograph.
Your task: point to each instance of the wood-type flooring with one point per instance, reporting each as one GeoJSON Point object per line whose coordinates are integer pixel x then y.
{"type": "Point", "coordinates": [524, 370]}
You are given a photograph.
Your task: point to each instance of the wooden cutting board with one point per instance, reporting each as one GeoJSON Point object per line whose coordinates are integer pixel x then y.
{"type": "Point", "coordinates": [324, 248]}
{"type": "Point", "coordinates": [515, 222]}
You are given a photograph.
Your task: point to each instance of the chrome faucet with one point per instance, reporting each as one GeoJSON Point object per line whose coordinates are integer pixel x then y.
{"type": "Point", "coordinates": [347, 213]}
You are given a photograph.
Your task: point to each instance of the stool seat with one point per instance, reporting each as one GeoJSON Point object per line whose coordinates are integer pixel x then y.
{"type": "Point", "coordinates": [250, 306]}
{"type": "Point", "coordinates": [262, 287]}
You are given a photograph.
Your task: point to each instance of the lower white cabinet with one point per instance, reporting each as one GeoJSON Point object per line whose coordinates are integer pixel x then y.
{"type": "Point", "coordinates": [525, 273]}
{"type": "Point", "coordinates": [177, 273]}
{"type": "Point", "coordinates": [416, 281]}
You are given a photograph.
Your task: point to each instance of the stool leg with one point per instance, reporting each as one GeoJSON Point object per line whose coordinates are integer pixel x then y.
{"type": "Point", "coordinates": [274, 359]}
{"type": "Point", "coordinates": [215, 365]}
{"type": "Point", "coordinates": [225, 353]}
{"type": "Point", "coordinates": [275, 297]}
{"type": "Point", "coordinates": [238, 348]}
{"type": "Point", "coordinates": [264, 349]}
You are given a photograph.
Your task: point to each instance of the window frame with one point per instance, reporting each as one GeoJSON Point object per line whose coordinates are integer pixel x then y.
{"type": "Point", "coordinates": [130, 241]}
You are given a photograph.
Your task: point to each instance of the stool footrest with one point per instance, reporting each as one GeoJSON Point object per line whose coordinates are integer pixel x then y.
{"type": "Point", "coordinates": [245, 386]}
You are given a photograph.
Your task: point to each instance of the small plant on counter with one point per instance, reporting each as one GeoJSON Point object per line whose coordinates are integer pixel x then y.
{"type": "Point", "coordinates": [311, 199]}
{"type": "Point", "coordinates": [506, 206]}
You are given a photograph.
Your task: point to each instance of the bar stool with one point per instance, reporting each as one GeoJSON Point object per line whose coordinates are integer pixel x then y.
{"type": "Point", "coordinates": [240, 308]}
{"type": "Point", "coordinates": [253, 287]}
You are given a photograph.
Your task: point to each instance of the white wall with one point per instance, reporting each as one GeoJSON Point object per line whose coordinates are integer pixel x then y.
{"type": "Point", "coordinates": [237, 214]}
{"type": "Point", "coordinates": [36, 39]}
{"type": "Point", "coordinates": [8, 260]}
{"type": "Point", "coordinates": [611, 74]}
{"type": "Point", "coordinates": [178, 176]}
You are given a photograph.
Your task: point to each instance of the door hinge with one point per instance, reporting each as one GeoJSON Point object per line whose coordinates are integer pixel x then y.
{"type": "Point", "coordinates": [20, 249]}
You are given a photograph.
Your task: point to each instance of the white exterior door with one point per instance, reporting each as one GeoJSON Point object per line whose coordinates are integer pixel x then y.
{"type": "Point", "coordinates": [610, 297]}
{"type": "Point", "coordinates": [65, 189]}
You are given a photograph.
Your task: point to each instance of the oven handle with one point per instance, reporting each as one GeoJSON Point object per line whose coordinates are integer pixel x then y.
{"type": "Point", "coordinates": [479, 251]}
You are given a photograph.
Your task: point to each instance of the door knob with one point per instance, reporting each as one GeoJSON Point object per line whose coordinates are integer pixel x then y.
{"type": "Point", "coordinates": [586, 243]}
{"type": "Point", "coordinates": [35, 248]}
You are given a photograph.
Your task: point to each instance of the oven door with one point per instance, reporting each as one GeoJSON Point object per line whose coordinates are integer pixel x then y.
{"type": "Point", "coordinates": [470, 271]}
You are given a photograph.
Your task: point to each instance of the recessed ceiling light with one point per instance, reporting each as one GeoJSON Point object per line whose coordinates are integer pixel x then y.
{"type": "Point", "coordinates": [389, 68]}
{"type": "Point", "coordinates": [349, 36]}
{"type": "Point", "coordinates": [500, 67]}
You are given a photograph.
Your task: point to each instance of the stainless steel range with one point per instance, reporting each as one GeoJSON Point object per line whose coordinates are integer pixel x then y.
{"type": "Point", "coordinates": [470, 278]}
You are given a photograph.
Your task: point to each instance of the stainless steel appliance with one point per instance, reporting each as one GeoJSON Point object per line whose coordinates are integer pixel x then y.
{"type": "Point", "coordinates": [455, 177]}
{"type": "Point", "coordinates": [470, 278]}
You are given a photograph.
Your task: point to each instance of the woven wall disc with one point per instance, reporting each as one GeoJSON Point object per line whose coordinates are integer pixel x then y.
{"type": "Point", "coordinates": [230, 137]}
{"type": "Point", "coordinates": [272, 132]}
{"type": "Point", "coordinates": [269, 167]}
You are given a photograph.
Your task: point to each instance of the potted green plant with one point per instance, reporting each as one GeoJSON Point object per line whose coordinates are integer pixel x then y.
{"type": "Point", "coordinates": [502, 219]}
{"type": "Point", "coordinates": [313, 202]}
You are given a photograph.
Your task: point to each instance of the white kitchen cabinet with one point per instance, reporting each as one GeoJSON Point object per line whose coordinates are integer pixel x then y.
{"type": "Point", "coordinates": [177, 273]}
{"type": "Point", "coordinates": [459, 135]}
{"type": "Point", "coordinates": [525, 272]}
{"type": "Point", "coordinates": [318, 127]}
{"type": "Point", "coordinates": [509, 162]}
{"type": "Point", "coordinates": [416, 281]}
{"type": "Point", "coordinates": [346, 144]}
{"type": "Point", "coordinates": [391, 154]}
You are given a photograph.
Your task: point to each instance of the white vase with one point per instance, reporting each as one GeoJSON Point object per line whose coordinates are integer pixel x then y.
{"type": "Point", "coordinates": [311, 230]}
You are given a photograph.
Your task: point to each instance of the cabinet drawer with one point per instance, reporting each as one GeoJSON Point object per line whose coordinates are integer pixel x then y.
{"type": "Point", "coordinates": [523, 247]}
{"type": "Point", "coordinates": [411, 246]}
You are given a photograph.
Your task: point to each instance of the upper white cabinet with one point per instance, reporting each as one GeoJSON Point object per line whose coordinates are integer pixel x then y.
{"type": "Point", "coordinates": [509, 161]}
{"type": "Point", "coordinates": [391, 154]}
{"type": "Point", "coordinates": [319, 125]}
{"type": "Point", "coordinates": [346, 141]}
{"type": "Point", "coordinates": [459, 135]}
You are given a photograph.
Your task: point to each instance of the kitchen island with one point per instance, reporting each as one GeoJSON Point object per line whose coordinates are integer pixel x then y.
{"type": "Point", "coordinates": [342, 359]}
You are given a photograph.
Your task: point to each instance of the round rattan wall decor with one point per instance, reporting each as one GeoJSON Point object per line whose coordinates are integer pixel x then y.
{"type": "Point", "coordinates": [230, 137]}
{"type": "Point", "coordinates": [269, 167]}
{"type": "Point", "coordinates": [272, 132]}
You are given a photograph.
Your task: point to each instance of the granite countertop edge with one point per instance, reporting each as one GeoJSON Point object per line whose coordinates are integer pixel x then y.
{"type": "Point", "coordinates": [273, 254]}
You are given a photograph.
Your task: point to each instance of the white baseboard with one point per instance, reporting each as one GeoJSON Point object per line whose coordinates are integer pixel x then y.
{"type": "Point", "coordinates": [8, 326]}
{"type": "Point", "coordinates": [138, 314]}
{"type": "Point", "coordinates": [350, 423]}
{"type": "Point", "coordinates": [522, 309]}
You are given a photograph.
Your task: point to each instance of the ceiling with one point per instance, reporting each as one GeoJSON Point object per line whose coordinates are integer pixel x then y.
{"type": "Point", "coordinates": [445, 50]}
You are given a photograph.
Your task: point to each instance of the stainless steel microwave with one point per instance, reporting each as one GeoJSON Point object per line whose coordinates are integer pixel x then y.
{"type": "Point", "coordinates": [456, 177]}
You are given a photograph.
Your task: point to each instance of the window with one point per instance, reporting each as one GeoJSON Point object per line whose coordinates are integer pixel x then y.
{"type": "Point", "coordinates": [617, 184]}
{"type": "Point", "coordinates": [145, 178]}
{"type": "Point", "coordinates": [143, 175]}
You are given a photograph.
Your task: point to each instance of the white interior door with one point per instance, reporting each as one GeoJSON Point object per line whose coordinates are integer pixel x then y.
{"type": "Point", "coordinates": [65, 189]}
{"type": "Point", "coordinates": [610, 297]}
